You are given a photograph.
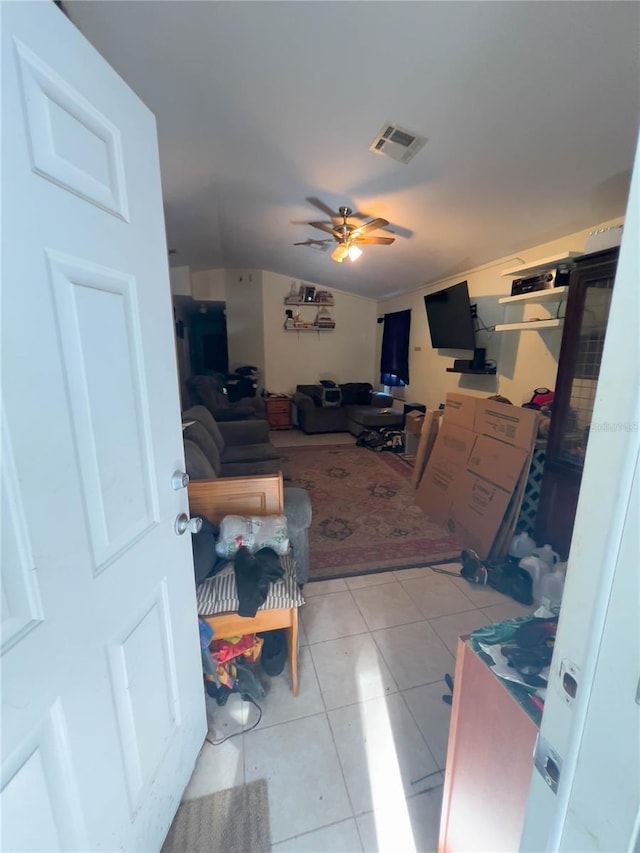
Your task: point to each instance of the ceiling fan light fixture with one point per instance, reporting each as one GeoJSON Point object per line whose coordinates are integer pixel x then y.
{"type": "Point", "coordinates": [340, 253]}
{"type": "Point", "coordinates": [354, 253]}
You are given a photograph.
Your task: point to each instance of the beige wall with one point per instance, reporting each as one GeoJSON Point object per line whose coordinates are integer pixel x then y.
{"type": "Point", "coordinates": [525, 359]}
{"type": "Point", "coordinates": [243, 297]}
{"type": "Point", "coordinates": [180, 279]}
{"type": "Point", "coordinates": [346, 354]}
{"type": "Point", "coordinates": [209, 285]}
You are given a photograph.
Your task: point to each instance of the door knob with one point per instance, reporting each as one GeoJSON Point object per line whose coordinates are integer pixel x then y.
{"type": "Point", "coordinates": [184, 523]}
{"type": "Point", "coordinates": [179, 480]}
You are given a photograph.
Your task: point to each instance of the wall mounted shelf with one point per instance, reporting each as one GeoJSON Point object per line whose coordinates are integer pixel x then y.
{"type": "Point", "coordinates": [485, 371]}
{"type": "Point", "coordinates": [310, 329]}
{"type": "Point", "coordinates": [310, 304]}
{"type": "Point", "coordinates": [553, 294]}
{"type": "Point", "coordinates": [563, 260]}
{"type": "Point", "coordinates": [531, 325]}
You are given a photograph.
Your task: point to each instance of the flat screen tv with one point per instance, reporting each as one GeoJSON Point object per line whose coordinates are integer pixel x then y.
{"type": "Point", "coordinates": [450, 320]}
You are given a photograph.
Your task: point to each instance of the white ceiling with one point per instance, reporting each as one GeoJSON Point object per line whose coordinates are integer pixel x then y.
{"type": "Point", "coordinates": [531, 111]}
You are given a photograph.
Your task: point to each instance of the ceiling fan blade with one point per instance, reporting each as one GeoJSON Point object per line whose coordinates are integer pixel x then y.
{"type": "Point", "coordinates": [381, 241]}
{"type": "Point", "coordinates": [324, 227]}
{"type": "Point", "coordinates": [311, 242]}
{"type": "Point", "coordinates": [369, 226]}
{"type": "Point", "coordinates": [316, 202]}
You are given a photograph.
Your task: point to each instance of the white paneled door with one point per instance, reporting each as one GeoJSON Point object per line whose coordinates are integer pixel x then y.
{"type": "Point", "coordinates": [102, 699]}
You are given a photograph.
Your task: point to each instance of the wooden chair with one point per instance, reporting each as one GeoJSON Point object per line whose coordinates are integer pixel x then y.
{"type": "Point", "coordinates": [260, 495]}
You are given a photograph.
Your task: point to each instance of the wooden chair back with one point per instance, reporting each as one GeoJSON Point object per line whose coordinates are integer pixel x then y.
{"type": "Point", "coordinates": [260, 495]}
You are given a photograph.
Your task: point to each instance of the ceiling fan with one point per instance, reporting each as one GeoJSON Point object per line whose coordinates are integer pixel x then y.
{"type": "Point", "coordinates": [350, 237]}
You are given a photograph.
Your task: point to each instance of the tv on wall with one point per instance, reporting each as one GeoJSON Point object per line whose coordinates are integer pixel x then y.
{"type": "Point", "coordinates": [450, 320]}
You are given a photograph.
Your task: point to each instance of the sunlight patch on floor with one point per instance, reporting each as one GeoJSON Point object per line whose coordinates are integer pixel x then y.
{"type": "Point", "coordinates": [393, 826]}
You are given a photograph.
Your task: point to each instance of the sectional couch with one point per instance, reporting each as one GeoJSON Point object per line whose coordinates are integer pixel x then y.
{"type": "Point", "coordinates": [361, 409]}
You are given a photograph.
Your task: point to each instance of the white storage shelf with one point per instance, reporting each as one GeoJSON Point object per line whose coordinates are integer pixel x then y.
{"type": "Point", "coordinates": [311, 304]}
{"type": "Point", "coordinates": [531, 325]}
{"type": "Point", "coordinates": [563, 260]}
{"type": "Point", "coordinates": [312, 329]}
{"type": "Point", "coordinates": [537, 297]}
{"type": "Point", "coordinates": [553, 294]}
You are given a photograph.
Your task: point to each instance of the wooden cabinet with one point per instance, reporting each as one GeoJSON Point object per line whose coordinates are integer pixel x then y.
{"type": "Point", "coordinates": [278, 412]}
{"type": "Point", "coordinates": [585, 324]}
{"type": "Point", "coordinates": [489, 762]}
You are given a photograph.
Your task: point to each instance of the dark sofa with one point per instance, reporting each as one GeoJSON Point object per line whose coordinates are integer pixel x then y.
{"type": "Point", "coordinates": [209, 391]}
{"type": "Point", "coordinates": [360, 409]}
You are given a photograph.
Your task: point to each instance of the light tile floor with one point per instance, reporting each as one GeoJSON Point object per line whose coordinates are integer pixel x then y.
{"type": "Point", "coordinates": [354, 762]}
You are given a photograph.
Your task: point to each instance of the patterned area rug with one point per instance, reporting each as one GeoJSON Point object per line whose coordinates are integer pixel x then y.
{"type": "Point", "coordinates": [364, 517]}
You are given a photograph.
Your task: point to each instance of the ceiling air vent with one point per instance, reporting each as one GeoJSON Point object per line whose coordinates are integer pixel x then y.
{"type": "Point", "coordinates": [397, 142]}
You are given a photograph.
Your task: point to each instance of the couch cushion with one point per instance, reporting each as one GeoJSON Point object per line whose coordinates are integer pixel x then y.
{"type": "Point", "coordinates": [313, 391]}
{"type": "Point", "coordinates": [204, 416]}
{"type": "Point", "coordinates": [198, 434]}
{"type": "Point", "coordinates": [197, 465]}
{"type": "Point", "coordinates": [250, 453]}
{"type": "Point", "coordinates": [356, 393]}
{"type": "Point", "coordinates": [369, 417]}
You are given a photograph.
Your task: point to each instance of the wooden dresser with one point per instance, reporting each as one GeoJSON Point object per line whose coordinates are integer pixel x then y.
{"type": "Point", "coordinates": [278, 412]}
{"type": "Point", "coordinates": [489, 761]}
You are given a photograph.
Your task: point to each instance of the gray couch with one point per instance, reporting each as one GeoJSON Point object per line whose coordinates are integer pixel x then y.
{"type": "Point", "coordinates": [361, 409]}
{"type": "Point", "coordinates": [234, 448]}
{"type": "Point", "coordinates": [209, 391]}
{"type": "Point", "coordinates": [210, 454]}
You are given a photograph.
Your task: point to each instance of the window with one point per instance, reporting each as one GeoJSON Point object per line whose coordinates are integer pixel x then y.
{"type": "Point", "coordinates": [394, 360]}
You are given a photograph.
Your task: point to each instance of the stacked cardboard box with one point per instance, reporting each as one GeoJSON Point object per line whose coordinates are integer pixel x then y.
{"type": "Point", "coordinates": [475, 476]}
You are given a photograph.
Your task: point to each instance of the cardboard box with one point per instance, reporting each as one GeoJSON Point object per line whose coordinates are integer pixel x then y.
{"type": "Point", "coordinates": [428, 436]}
{"type": "Point", "coordinates": [460, 409]}
{"type": "Point", "coordinates": [473, 481]}
{"type": "Point", "coordinates": [447, 462]}
{"type": "Point", "coordinates": [476, 512]}
{"type": "Point", "coordinates": [510, 424]}
{"type": "Point", "coordinates": [435, 492]}
{"type": "Point", "coordinates": [411, 443]}
{"type": "Point", "coordinates": [497, 462]}
{"type": "Point", "coordinates": [413, 422]}
{"type": "Point", "coordinates": [454, 442]}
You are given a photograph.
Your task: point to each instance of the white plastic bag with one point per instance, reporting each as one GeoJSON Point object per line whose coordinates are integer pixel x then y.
{"type": "Point", "coordinates": [252, 532]}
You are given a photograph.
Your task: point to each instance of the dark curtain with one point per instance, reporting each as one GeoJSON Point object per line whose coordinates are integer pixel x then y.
{"type": "Point", "coordinates": [394, 362]}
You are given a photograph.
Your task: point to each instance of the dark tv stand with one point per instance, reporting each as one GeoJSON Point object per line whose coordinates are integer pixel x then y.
{"type": "Point", "coordinates": [479, 371]}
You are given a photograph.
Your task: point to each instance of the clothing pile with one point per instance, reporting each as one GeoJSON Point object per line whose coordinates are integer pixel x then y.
{"type": "Point", "coordinates": [226, 664]}
{"type": "Point", "coordinates": [386, 438]}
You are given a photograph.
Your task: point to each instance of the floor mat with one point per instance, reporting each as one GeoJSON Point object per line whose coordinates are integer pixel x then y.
{"type": "Point", "coordinates": [231, 821]}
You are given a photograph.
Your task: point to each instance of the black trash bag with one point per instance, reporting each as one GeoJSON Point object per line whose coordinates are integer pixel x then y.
{"type": "Point", "coordinates": [502, 574]}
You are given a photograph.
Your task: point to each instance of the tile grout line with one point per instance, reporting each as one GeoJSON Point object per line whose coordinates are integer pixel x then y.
{"type": "Point", "coordinates": [310, 831]}
{"type": "Point", "coordinates": [422, 735]}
